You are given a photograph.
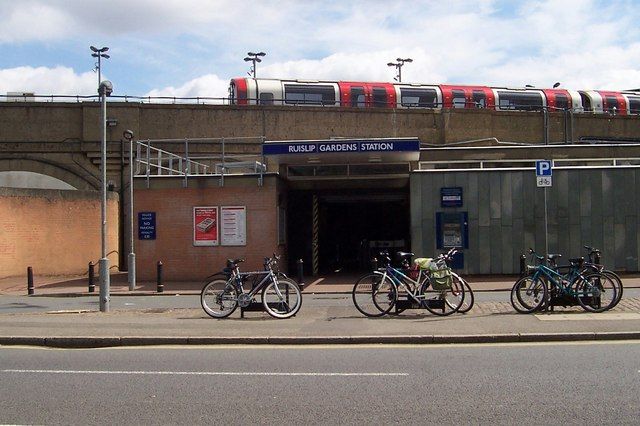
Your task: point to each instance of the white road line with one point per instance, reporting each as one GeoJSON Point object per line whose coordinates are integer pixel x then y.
{"type": "Point", "coordinates": [202, 373]}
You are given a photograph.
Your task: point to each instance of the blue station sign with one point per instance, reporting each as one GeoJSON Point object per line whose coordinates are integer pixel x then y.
{"type": "Point", "coordinates": [341, 146]}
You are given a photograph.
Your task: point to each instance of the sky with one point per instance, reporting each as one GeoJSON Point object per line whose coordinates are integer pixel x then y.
{"type": "Point", "coordinates": [188, 48]}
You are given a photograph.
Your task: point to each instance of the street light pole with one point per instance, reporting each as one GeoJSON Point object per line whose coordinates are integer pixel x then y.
{"type": "Point", "coordinates": [254, 57]}
{"type": "Point", "coordinates": [400, 62]}
{"type": "Point", "coordinates": [105, 89]}
{"type": "Point", "coordinates": [128, 135]}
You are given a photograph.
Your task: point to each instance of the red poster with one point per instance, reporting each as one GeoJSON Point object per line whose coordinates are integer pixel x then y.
{"type": "Point", "coordinates": [205, 226]}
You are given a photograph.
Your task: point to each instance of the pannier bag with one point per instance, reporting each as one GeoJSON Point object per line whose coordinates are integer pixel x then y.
{"type": "Point", "coordinates": [439, 272]}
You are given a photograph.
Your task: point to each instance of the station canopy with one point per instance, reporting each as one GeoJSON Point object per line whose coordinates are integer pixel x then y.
{"type": "Point", "coordinates": [343, 151]}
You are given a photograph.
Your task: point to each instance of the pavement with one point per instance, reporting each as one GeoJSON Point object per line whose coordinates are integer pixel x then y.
{"type": "Point", "coordinates": [327, 316]}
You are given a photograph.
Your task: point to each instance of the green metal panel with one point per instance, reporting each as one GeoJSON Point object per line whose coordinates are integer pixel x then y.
{"type": "Point", "coordinates": [494, 195]}
{"type": "Point", "coordinates": [484, 211]}
{"type": "Point", "coordinates": [506, 199]}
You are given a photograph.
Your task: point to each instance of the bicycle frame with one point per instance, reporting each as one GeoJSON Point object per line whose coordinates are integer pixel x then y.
{"type": "Point", "coordinates": [237, 278]}
{"type": "Point", "coordinates": [393, 273]}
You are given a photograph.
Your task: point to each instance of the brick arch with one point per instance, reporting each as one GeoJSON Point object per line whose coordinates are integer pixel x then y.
{"type": "Point", "coordinates": [64, 173]}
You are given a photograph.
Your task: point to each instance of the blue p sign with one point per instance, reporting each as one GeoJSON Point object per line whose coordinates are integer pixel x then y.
{"type": "Point", "coordinates": [543, 168]}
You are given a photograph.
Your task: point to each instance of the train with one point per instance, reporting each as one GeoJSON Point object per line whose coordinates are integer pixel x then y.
{"type": "Point", "coordinates": [263, 91]}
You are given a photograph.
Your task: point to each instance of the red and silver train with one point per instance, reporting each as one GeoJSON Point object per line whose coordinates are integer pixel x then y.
{"type": "Point", "coordinates": [261, 91]}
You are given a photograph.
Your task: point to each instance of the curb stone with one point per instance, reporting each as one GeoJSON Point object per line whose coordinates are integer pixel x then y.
{"type": "Point", "coordinates": [80, 342]}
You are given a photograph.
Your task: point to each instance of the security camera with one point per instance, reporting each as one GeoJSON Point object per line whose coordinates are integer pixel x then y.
{"type": "Point", "coordinates": [128, 134]}
{"type": "Point", "coordinates": [106, 88]}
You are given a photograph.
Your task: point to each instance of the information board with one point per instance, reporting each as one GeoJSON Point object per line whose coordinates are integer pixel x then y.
{"type": "Point", "coordinates": [146, 225]}
{"type": "Point", "coordinates": [233, 225]}
{"type": "Point", "coordinates": [205, 226]}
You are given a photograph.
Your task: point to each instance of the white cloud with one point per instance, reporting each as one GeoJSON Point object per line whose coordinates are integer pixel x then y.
{"type": "Point", "coordinates": [42, 80]}
{"type": "Point", "coordinates": [206, 86]}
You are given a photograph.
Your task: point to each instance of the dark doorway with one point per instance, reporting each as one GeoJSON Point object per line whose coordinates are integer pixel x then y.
{"type": "Point", "coordinates": [353, 226]}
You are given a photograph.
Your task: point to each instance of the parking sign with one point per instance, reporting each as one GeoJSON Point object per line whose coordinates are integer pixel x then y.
{"type": "Point", "coordinates": [543, 168]}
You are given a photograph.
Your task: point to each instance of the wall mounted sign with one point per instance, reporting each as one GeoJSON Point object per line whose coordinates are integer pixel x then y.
{"type": "Point", "coordinates": [146, 225]}
{"type": "Point", "coordinates": [451, 197]}
{"type": "Point", "coordinates": [233, 226]}
{"type": "Point", "coordinates": [341, 146]}
{"type": "Point", "coordinates": [205, 226]}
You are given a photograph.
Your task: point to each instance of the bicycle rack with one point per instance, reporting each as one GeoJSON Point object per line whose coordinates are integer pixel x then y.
{"type": "Point", "coordinates": [254, 306]}
{"type": "Point", "coordinates": [404, 302]}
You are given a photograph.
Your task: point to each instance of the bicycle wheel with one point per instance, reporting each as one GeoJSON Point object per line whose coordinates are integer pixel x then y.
{"type": "Point", "coordinates": [443, 301]}
{"type": "Point", "coordinates": [528, 296]}
{"type": "Point", "coordinates": [219, 298]}
{"type": "Point", "coordinates": [373, 296]}
{"type": "Point", "coordinates": [617, 282]}
{"type": "Point", "coordinates": [282, 299]}
{"type": "Point", "coordinates": [469, 299]}
{"type": "Point", "coordinates": [596, 292]}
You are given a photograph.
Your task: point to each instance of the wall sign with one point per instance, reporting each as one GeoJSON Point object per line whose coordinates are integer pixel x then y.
{"type": "Point", "coordinates": [451, 197]}
{"type": "Point", "coordinates": [146, 225]}
{"type": "Point", "coordinates": [341, 146]}
{"type": "Point", "coordinates": [233, 225]}
{"type": "Point", "coordinates": [205, 226]}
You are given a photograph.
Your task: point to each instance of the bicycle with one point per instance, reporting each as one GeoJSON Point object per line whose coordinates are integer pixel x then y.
{"type": "Point", "coordinates": [438, 291]}
{"type": "Point", "coordinates": [224, 292]}
{"type": "Point", "coordinates": [531, 292]}
{"type": "Point", "coordinates": [593, 265]}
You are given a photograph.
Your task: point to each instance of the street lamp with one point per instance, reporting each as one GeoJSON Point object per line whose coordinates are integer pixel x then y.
{"type": "Point", "coordinates": [128, 135]}
{"type": "Point", "coordinates": [99, 53]}
{"type": "Point", "coordinates": [400, 62]}
{"type": "Point", "coordinates": [254, 57]}
{"type": "Point", "coordinates": [556, 85]}
{"type": "Point", "coordinates": [105, 89]}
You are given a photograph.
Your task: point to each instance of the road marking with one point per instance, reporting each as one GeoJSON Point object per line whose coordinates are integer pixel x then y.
{"type": "Point", "coordinates": [579, 316]}
{"type": "Point", "coordinates": [204, 373]}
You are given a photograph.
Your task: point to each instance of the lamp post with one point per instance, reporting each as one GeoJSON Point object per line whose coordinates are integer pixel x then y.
{"type": "Point", "coordinates": [254, 57]}
{"type": "Point", "coordinates": [128, 135]}
{"type": "Point", "coordinates": [398, 64]}
{"type": "Point", "coordinates": [105, 89]}
{"type": "Point", "coordinates": [99, 53]}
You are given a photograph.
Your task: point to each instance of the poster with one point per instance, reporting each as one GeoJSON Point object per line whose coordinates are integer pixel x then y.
{"type": "Point", "coordinates": [205, 226]}
{"type": "Point", "coordinates": [234, 225]}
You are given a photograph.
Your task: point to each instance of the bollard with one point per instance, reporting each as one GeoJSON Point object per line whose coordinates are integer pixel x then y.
{"type": "Point", "coordinates": [300, 274]}
{"type": "Point", "coordinates": [523, 265]}
{"type": "Point", "coordinates": [92, 285]}
{"type": "Point", "coordinates": [596, 258]}
{"type": "Point", "coordinates": [159, 279]}
{"type": "Point", "coordinates": [374, 263]}
{"type": "Point", "coordinates": [30, 289]}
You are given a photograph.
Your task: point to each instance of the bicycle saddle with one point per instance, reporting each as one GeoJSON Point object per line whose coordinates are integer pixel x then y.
{"type": "Point", "coordinates": [553, 256]}
{"type": "Point", "coordinates": [234, 262]}
{"type": "Point", "coordinates": [401, 255]}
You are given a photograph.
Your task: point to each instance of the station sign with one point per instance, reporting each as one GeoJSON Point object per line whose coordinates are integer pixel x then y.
{"type": "Point", "coordinates": [341, 146]}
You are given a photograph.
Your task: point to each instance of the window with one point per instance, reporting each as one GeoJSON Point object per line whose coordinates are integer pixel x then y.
{"type": "Point", "coordinates": [586, 102]}
{"type": "Point", "coordinates": [266, 98]}
{"type": "Point", "coordinates": [562, 101]}
{"type": "Point", "coordinates": [357, 97]}
{"type": "Point", "coordinates": [479, 99]}
{"type": "Point", "coordinates": [300, 94]}
{"type": "Point", "coordinates": [379, 97]}
{"type": "Point", "coordinates": [520, 101]}
{"type": "Point", "coordinates": [458, 100]}
{"type": "Point", "coordinates": [423, 98]}
{"type": "Point", "coordinates": [610, 104]}
{"type": "Point", "coordinates": [634, 105]}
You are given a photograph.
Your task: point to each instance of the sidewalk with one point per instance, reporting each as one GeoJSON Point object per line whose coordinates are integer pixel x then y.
{"type": "Point", "coordinates": [326, 317]}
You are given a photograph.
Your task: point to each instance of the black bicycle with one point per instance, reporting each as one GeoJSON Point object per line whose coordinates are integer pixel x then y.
{"type": "Point", "coordinates": [223, 292]}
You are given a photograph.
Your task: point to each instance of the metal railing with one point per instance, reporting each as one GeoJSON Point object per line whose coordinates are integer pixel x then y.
{"type": "Point", "coordinates": [525, 164]}
{"type": "Point", "coordinates": [197, 157]}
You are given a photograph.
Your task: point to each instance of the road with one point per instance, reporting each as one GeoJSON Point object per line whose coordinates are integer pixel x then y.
{"type": "Point", "coordinates": [445, 384]}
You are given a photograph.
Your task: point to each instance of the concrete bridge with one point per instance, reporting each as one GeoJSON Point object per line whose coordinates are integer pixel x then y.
{"type": "Point", "coordinates": [62, 139]}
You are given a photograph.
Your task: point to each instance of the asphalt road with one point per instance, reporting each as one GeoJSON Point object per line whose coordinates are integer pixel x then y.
{"type": "Point", "coordinates": [26, 304]}
{"type": "Point", "coordinates": [445, 384]}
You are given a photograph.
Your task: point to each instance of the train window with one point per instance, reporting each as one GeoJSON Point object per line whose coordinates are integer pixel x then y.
{"type": "Point", "coordinates": [634, 105]}
{"type": "Point", "coordinates": [309, 95]}
{"type": "Point", "coordinates": [562, 101]}
{"type": "Point", "coordinates": [458, 100]}
{"type": "Point", "coordinates": [520, 101]}
{"type": "Point", "coordinates": [610, 104]}
{"type": "Point", "coordinates": [379, 97]}
{"type": "Point", "coordinates": [424, 98]}
{"type": "Point", "coordinates": [586, 102]}
{"type": "Point", "coordinates": [266, 98]}
{"type": "Point", "coordinates": [479, 99]}
{"type": "Point", "coordinates": [357, 97]}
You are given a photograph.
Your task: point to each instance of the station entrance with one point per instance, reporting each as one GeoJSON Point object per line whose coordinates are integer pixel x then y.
{"type": "Point", "coordinates": [337, 231]}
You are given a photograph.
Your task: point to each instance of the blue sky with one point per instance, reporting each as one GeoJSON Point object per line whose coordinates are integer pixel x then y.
{"type": "Point", "coordinates": [194, 47]}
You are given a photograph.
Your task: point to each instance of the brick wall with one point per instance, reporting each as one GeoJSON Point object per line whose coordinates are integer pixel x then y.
{"type": "Point", "coordinates": [173, 204]}
{"type": "Point", "coordinates": [56, 232]}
